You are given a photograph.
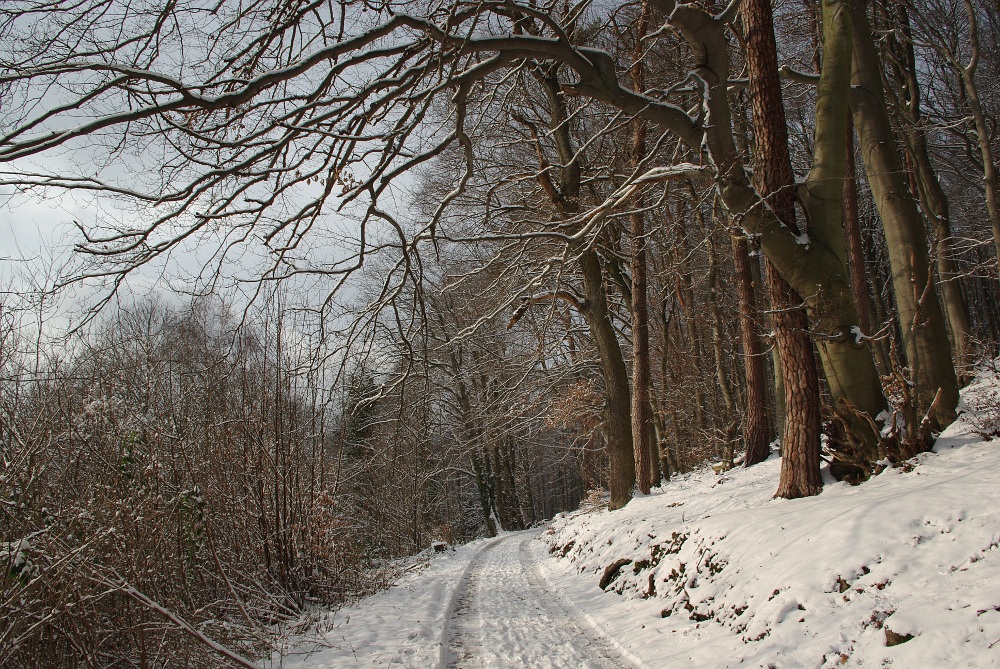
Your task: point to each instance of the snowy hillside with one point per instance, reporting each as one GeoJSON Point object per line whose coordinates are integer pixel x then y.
{"type": "Point", "coordinates": [722, 575]}
{"type": "Point", "coordinates": [903, 571]}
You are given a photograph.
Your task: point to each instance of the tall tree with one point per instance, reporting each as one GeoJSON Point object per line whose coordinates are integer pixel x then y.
{"type": "Point", "coordinates": [756, 431]}
{"type": "Point", "coordinates": [928, 352]}
{"type": "Point", "coordinates": [932, 197]}
{"type": "Point", "coordinates": [774, 179]}
{"type": "Point", "coordinates": [641, 412]}
{"type": "Point", "coordinates": [947, 38]}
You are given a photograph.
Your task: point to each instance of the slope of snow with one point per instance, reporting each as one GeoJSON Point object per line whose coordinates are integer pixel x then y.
{"type": "Point", "coordinates": [723, 575]}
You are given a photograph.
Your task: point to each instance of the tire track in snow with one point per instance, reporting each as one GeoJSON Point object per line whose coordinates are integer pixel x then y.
{"type": "Point", "coordinates": [458, 605]}
{"type": "Point", "coordinates": [503, 614]}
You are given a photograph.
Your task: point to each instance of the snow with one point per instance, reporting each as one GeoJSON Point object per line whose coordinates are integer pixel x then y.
{"type": "Point", "coordinates": [13, 555]}
{"type": "Point", "coordinates": [402, 626]}
{"type": "Point", "coordinates": [722, 575]}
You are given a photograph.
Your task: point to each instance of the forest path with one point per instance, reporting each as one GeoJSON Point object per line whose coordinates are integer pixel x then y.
{"type": "Point", "coordinates": [504, 614]}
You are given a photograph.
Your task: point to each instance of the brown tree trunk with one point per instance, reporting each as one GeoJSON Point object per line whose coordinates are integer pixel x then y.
{"type": "Point", "coordinates": [640, 311]}
{"type": "Point", "coordinates": [653, 447]}
{"type": "Point", "coordinates": [727, 430]}
{"type": "Point", "coordinates": [774, 180]}
{"type": "Point", "coordinates": [686, 297]}
{"type": "Point", "coordinates": [756, 432]}
{"type": "Point", "coordinates": [617, 412]}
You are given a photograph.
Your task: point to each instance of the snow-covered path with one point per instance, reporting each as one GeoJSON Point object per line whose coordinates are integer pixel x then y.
{"type": "Point", "coordinates": [485, 604]}
{"type": "Point", "coordinates": [504, 614]}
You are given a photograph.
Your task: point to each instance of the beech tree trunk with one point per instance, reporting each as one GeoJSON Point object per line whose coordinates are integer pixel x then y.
{"type": "Point", "coordinates": [928, 352]}
{"type": "Point", "coordinates": [857, 444]}
{"type": "Point", "coordinates": [856, 257]}
{"type": "Point", "coordinates": [968, 76]}
{"type": "Point", "coordinates": [817, 271]}
{"type": "Point", "coordinates": [774, 180]}
{"type": "Point", "coordinates": [617, 411]}
{"type": "Point", "coordinates": [932, 197]}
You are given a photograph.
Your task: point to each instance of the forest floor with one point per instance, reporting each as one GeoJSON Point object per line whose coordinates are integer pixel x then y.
{"type": "Point", "coordinates": [902, 571]}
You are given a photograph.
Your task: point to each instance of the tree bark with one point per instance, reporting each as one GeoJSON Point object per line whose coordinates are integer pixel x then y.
{"type": "Point", "coordinates": [617, 412]}
{"type": "Point", "coordinates": [931, 194]}
{"type": "Point", "coordinates": [640, 310]}
{"type": "Point", "coordinates": [730, 423]}
{"type": "Point", "coordinates": [925, 336]}
{"type": "Point", "coordinates": [774, 180]}
{"type": "Point", "coordinates": [856, 257]}
{"type": "Point", "coordinates": [756, 432]}
{"type": "Point", "coordinates": [968, 76]}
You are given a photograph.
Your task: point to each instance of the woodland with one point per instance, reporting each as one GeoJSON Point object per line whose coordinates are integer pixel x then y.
{"type": "Point", "coordinates": [435, 269]}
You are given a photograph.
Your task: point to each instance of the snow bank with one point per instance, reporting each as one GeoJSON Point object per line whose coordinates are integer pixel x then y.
{"type": "Point", "coordinates": [902, 571]}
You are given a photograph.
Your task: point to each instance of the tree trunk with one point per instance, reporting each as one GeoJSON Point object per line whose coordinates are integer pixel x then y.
{"type": "Point", "coordinates": [968, 76]}
{"type": "Point", "coordinates": [730, 420]}
{"type": "Point", "coordinates": [653, 449]}
{"type": "Point", "coordinates": [800, 444]}
{"type": "Point", "coordinates": [925, 336]}
{"type": "Point", "coordinates": [774, 180]}
{"type": "Point", "coordinates": [856, 257]}
{"type": "Point", "coordinates": [686, 297]}
{"type": "Point", "coordinates": [931, 194]}
{"type": "Point", "coordinates": [617, 413]}
{"type": "Point", "coordinates": [756, 433]}
{"type": "Point", "coordinates": [483, 486]}
{"type": "Point", "coordinates": [856, 443]}
{"type": "Point", "coordinates": [640, 310]}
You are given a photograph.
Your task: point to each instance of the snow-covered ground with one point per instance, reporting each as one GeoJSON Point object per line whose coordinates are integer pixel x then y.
{"type": "Point", "coordinates": [902, 571]}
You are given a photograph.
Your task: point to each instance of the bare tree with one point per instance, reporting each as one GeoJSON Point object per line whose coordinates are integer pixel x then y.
{"type": "Point", "coordinates": [271, 115]}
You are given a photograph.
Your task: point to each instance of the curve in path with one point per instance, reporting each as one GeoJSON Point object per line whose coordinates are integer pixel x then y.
{"type": "Point", "coordinates": [503, 614]}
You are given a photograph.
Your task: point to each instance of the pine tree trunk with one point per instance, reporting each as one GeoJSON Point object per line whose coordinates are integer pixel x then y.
{"type": "Point", "coordinates": [800, 444]}
{"type": "Point", "coordinates": [640, 357]}
{"type": "Point", "coordinates": [774, 180]}
{"type": "Point", "coordinates": [640, 309]}
{"type": "Point", "coordinates": [756, 433]}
